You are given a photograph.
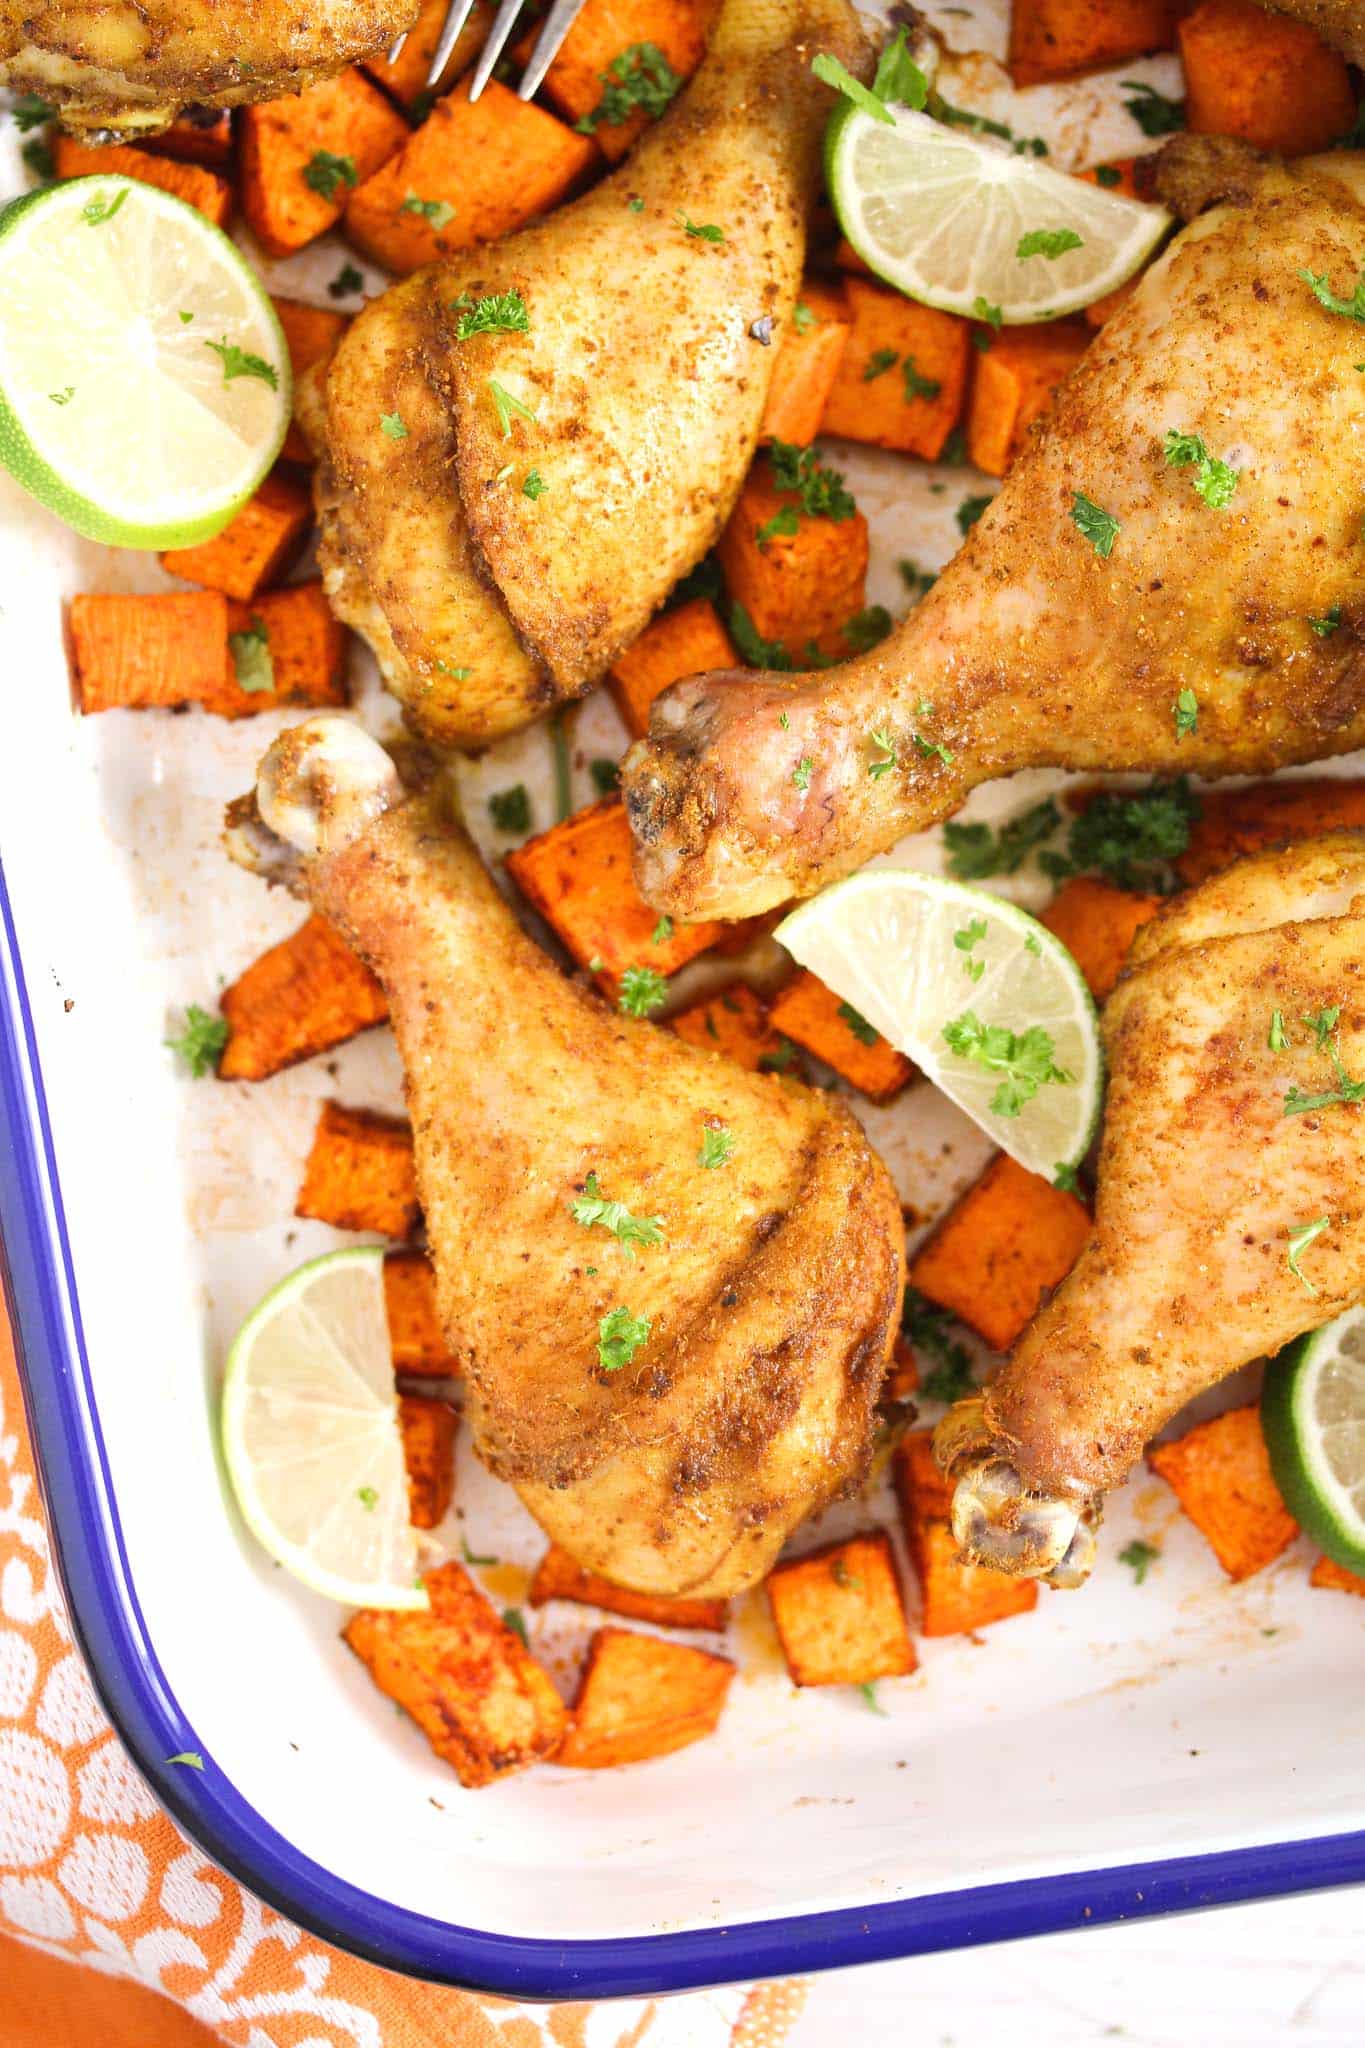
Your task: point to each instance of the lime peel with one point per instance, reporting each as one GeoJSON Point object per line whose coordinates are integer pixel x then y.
{"type": "Point", "coordinates": [1313, 1420]}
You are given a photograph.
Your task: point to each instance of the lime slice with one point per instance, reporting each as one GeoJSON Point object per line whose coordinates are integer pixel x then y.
{"type": "Point", "coordinates": [310, 1433]}
{"type": "Point", "coordinates": [135, 424]}
{"type": "Point", "coordinates": [1313, 1416]}
{"type": "Point", "coordinates": [985, 1001]}
{"type": "Point", "coordinates": [942, 214]}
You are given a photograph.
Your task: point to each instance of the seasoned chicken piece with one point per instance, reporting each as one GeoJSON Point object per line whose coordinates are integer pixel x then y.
{"type": "Point", "coordinates": [115, 68]}
{"type": "Point", "coordinates": [1230, 1214]}
{"type": "Point", "coordinates": [634, 392]}
{"type": "Point", "coordinates": [1104, 580]}
{"type": "Point", "coordinates": [1340, 22]}
{"type": "Point", "coordinates": [673, 1384]}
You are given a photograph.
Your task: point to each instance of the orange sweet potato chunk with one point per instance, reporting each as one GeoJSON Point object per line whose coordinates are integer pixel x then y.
{"type": "Point", "coordinates": [839, 1614]}
{"type": "Point", "coordinates": [1015, 384]}
{"type": "Point", "coordinates": [687, 641]}
{"type": "Point", "coordinates": [406, 78]}
{"type": "Point", "coordinates": [1057, 38]}
{"type": "Point", "coordinates": [810, 349]}
{"type": "Point", "coordinates": [302, 997]}
{"type": "Point", "coordinates": [1096, 923]}
{"type": "Point", "coordinates": [814, 1016]}
{"type": "Point", "coordinates": [1269, 81]}
{"type": "Point", "coordinates": [903, 373]}
{"type": "Point", "coordinates": [800, 588]}
{"type": "Point", "coordinates": [922, 1487]}
{"type": "Point", "coordinates": [469, 1682]}
{"type": "Point", "coordinates": [201, 135]}
{"type": "Point", "coordinates": [1220, 1473]}
{"type": "Point", "coordinates": [416, 1340]}
{"type": "Point", "coordinates": [1007, 1243]}
{"type": "Point", "coordinates": [1238, 821]}
{"type": "Point", "coordinates": [360, 1173]}
{"type": "Point", "coordinates": [734, 1022]}
{"type": "Point", "coordinates": [310, 334]}
{"type": "Point", "coordinates": [428, 1429]}
{"type": "Point", "coordinates": [307, 646]}
{"type": "Point", "coordinates": [1335, 1578]}
{"type": "Point", "coordinates": [152, 652]}
{"type": "Point", "coordinates": [642, 1696]}
{"type": "Point", "coordinates": [204, 190]}
{"type": "Point", "coordinates": [558, 1577]}
{"type": "Point", "coordinates": [286, 141]}
{"type": "Point", "coordinates": [601, 35]}
{"type": "Point", "coordinates": [255, 546]}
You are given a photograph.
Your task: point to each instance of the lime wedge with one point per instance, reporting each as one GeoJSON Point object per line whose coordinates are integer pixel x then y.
{"type": "Point", "coordinates": [942, 214]}
{"type": "Point", "coordinates": [310, 1433]}
{"type": "Point", "coordinates": [144, 379]}
{"type": "Point", "coordinates": [985, 1001]}
{"type": "Point", "coordinates": [1313, 1416]}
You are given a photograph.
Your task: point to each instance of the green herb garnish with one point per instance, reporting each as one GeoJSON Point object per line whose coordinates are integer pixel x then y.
{"type": "Point", "coordinates": [717, 1145]}
{"type": "Point", "coordinates": [1153, 112]}
{"type": "Point", "coordinates": [1185, 711]}
{"type": "Point", "coordinates": [1300, 1237]}
{"type": "Point", "coordinates": [201, 1043]}
{"type": "Point", "coordinates": [642, 990]}
{"type": "Point", "coordinates": [1049, 242]}
{"type": "Point", "coordinates": [801, 773]}
{"type": "Point", "coordinates": [591, 1208]}
{"type": "Point", "coordinates": [507, 407]}
{"type": "Point", "coordinates": [619, 1337]}
{"type": "Point", "coordinates": [1099, 527]}
{"type": "Point", "coordinates": [640, 79]}
{"type": "Point", "coordinates": [865, 1033]}
{"type": "Point", "coordinates": [1215, 481]}
{"type": "Point", "coordinates": [101, 208]}
{"type": "Point", "coordinates": [239, 362]}
{"type": "Point", "coordinates": [1024, 1059]}
{"type": "Point", "coordinates": [324, 172]}
{"type": "Point", "coordinates": [820, 490]}
{"type": "Point", "coordinates": [498, 313]}
{"type": "Point", "coordinates": [510, 809]}
{"type": "Point", "coordinates": [391, 424]}
{"type": "Point", "coordinates": [1141, 1556]}
{"type": "Point", "coordinates": [707, 232]}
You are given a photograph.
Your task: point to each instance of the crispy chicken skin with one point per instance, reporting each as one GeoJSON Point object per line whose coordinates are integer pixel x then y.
{"type": "Point", "coordinates": [115, 68]}
{"type": "Point", "coordinates": [1202, 1179]}
{"type": "Point", "coordinates": [485, 606]}
{"type": "Point", "coordinates": [1033, 649]}
{"type": "Point", "coordinates": [774, 1296]}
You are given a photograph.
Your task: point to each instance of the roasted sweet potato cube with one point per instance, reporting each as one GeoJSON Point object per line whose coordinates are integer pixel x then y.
{"type": "Point", "coordinates": [558, 1577]}
{"type": "Point", "coordinates": [924, 1490]}
{"type": "Point", "coordinates": [201, 135]}
{"type": "Point", "coordinates": [903, 1379]}
{"type": "Point", "coordinates": [686, 641]}
{"type": "Point", "coordinates": [1120, 175]}
{"type": "Point", "coordinates": [149, 653]}
{"type": "Point", "coordinates": [1271, 82]}
{"type": "Point", "coordinates": [306, 645]}
{"type": "Point", "coordinates": [903, 373]}
{"type": "Point", "coordinates": [255, 546]}
{"type": "Point", "coordinates": [578, 876]}
{"type": "Point", "coordinates": [303, 996]}
{"type": "Point", "coordinates": [416, 1340]}
{"type": "Point", "coordinates": [1015, 383]}
{"type": "Point", "coordinates": [956, 1598]}
{"type": "Point", "coordinates": [1220, 1473]}
{"type": "Point", "coordinates": [429, 1455]}
{"type": "Point", "coordinates": [839, 1614]}
{"type": "Point", "coordinates": [642, 1696]}
{"type": "Point", "coordinates": [601, 37]}
{"type": "Point", "coordinates": [1096, 923]}
{"type": "Point", "coordinates": [800, 579]}
{"type": "Point", "coordinates": [302, 156]}
{"type": "Point", "coordinates": [310, 335]}
{"type": "Point", "coordinates": [814, 1016]}
{"type": "Point", "coordinates": [810, 348]}
{"type": "Point", "coordinates": [1328, 1573]}
{"type": "Point", "coordinates": [201, 189]}
{"type": "Point", "coordinates": [405, 76]}
{"type": "Point", "coordinates": [1057, 38]}
{"type": "Point", "coordinates": [468, 1681]}
{"type": "Point", "coordinates": [734, 1022]}
{"type": "Point", "coordinates": [1006, 1244]}
{"type": "Point", "coordinates": [1237, 821]}
{"type": "Point", "coordinates": [360, 1173]}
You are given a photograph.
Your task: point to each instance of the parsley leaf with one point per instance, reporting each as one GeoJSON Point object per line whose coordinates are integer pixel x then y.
{"type": "Point", "coordinates": [1185, 711]}
{"type": "Point", "coordinates": [982, 309]}
{"type": "Point", "coordinates": [1141, 1556]}
{"type": "Point", "coordinates": [1321, 288]}
{"type": "Point", "coordinates": [606, 775]}
{"type": "Point", "coordinates": [785, 522]}
{"type": "Point", "coordinates": [1122, 833]}
{"type": "Point", "coordinates": [28, 111]}
{"type": "Point", "coordinates": [1049, 242]}
{"type": "Point", "coordinates": [1301, 1235]}
{"type": "Point", "coordinates": [513, 1618]}
{"type": "Point", "coordinates": [867, 629]}
{"type": "Point", "coordinates": [101, 208]}
{"type": "Point", "coordinates": [917, 386]}
{"type": "Point", "coordinates": [438, 213]}
{"type": "Point", "coordinates": [63, 397]}
{"type": "Point", "coordinates": [662, 932]}
{"type": "Point", "coordinates": [752, 647]}
{"type": "Point", "coordinates": [1215, 481]}
{"type": "Point", "coordinates": [1108, 175]}
{"type": "Point", "coordinates": [250, 651]}
{"type": "Point", "coordinates": [820, 490]}
{"type": "Point", "coordinates": [1065, 1177]}
{"type": "Point", "coordinates": [1099, 527]}
{"type": "Point", "coordinates": [929, 748]}
{"type": "Point", "coordinates": [498, 313]}
{"type": "Point", "coordinates": [801, 773]}
{"type": "Point", "coordinates": [37, 156]}
{"type": "Point", "coordinates": [976, 853]}
{"type": "Point", "coordinates": [391, 423]}
{"type": "Point", "coordinates": [533, 485]}
{"type": "Point", "coordinates": [510, 809]}
{"type": "Point", "coordinates": [1328, 623]}
{"type": "Point", "coordinates": [927, 1328]}
{"type": "Point", "coordinates": [717, 1145]}
{"type": "Point", "coordinates": [640, 78]}
{"type": "Point", "coordinates": [831, 72]}
{"type": "Point", "coordinates": [1323, 1025]}
{"type": "Point", "coordinates": [323, 172]}
{"type": "Point", "coordinates": [642, 990]}
{"type": "Point", "coordinates": [348, 279]}
{"type": "Point", "coordinates": [707, 232]}
{"type": "Point", "coordinates": [201, 1043]}
{"type": "Point", "coordinates": [880, 360]}
{"type": "Point", "coordinates": [965, 940]}
{"type": "Point", "coordinates": [865, 1033]}
{"type": "Point", "coordinates": [970, 510]}
{"type": "Point", "coordinates": [1024, 1059]}
{"type": "Point", "coordinates": [870, 1700]}
{"type": "Point", "coordinates": [239, 362]}
{"type": "Point", "coordinates": [916, 580]}
{"type": "Point", "coordinates": [886, 758]}
{"type": "Point", "coordinates": [506, 406]}
{"type": "Point", "coordinates": [802, 318]}
{"type": "Point", "coordinates": [898, 77]}
{"type": "Point", "coordinates": [472, 1556]}
{"type": "Point", "coordinates": [619, 1337]}
{"type": "Point", "coordinates": [1153, 112]}
{"type": "Point", "coordinates": [592, 1207]}
{"type": "Point", "coordinates": [780, 1060]}
{"type": "Point", "coordinates": [367, 1497]}
{"type": "Point", "coordinates": [1275, 1037]}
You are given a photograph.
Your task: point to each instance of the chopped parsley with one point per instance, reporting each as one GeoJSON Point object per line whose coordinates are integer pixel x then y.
{"type": "Point", "coordinates": [898, 78]}
{"type": "Point", "coordinates": [250, 651]}
{"type": "Point", "coordinates": [513, 1618]}
{"type": "Point", "coordinates": [1099, 527]}
{"type": "Point", "coordinates": [533, 485]}
{"type": "Point", "coordinates": [437, 213]}
{"type": "Point", "coordinates": [785, 522]}
{"type": "Point", "coordinates": [63, 397]}
{"type": "Point", "coordinates": [592, 1208]}
{"type": "Point", "coordinates": [932, 748]}
{"type": "Point", "coordinates": [507, 407]}
{"type": "Point", "coordinates": [1153, 112]}
{"type": "Point", "coordinates": [1049, 242]}
{"type": "Point", "coordinates": [636, 205]}
{"type": "Point", "coordinates": [201, 1042]}
{"type": "Point", "coordinates": [101, 208]}
{"type": "Point", "coordinates": [1126, 834]}
{"type": "Point", "coordinates": [982, 309]}
{"type": "Point", "coordinates": [27, 111]}
{"type": "Point", "coordinates": [1064, 1177]}
{"type": "Point", "coordinates": [976, 852]}
{"type": "Point", "coordinates": [1323, 1025]}
{"type": "Point", "coordinates": [717, 1145]}
{"type": "Point", "coordinates": [1321, 288]}
{"type": "Point", "coordinates": [347, 280]}
{"type": "Point", "coordinates": [964, 941]}
{"type": "Point", "coordinates": [189, 1757]}
{"type": "Point", "coordinates": [619, 1337]}
{"type": "Point", "coordinates": [642, 990]}
{"type": "Point", "coordinates": [870, 1700]}
{"type": "Point", "coordinates": [916, 580]}
{"type": "Point", "coordinates": [662, 932]}
{"type": "Point", "coordinates": [880, 361]}
{"type": "Point", "coordinates": [1275, 1037]}
{"type": "Point", "coordinates": [753, 648]}
{"type": "Point", "coordinates": [239, 362]}
{"type": "Point", "coordinates": [606, 775]}
{"type": "Point", "coordinates": [801, 773]}
{"type": "Point", "coordinates": [324, 172]}
{"type": "Point", "coordinates": [1185, 711]}
{"type": "Point", "coordinates": [700, 232]}
{"type": "Point", "coordinates": [391, 423]}
{"type": "Point", "coordinates": [1023, 1059]}
{"type": "Point", "coordinates": [1141, 1556]}
{"type": "Point", "coordinates": [802, 317]}
{"type": "Point", "coordinates": [820, 490]}
{"type": "Point", "coordinates": [1215, 481]}
{"type": "Point", "coordinates": [865, 1033]}
{"type": "Point", "coordinates": [1328, 623]}
{"type": "Point", "coordinates": [917, 386]}
{"type": "Point", "coordinates": [927, 1329]}
{"type": "Point", "coordinates": [510, 809]}
{"type": "Point", "coordinates": [368, 1498]}
{"type": "Point", "coordinates": [461, 675]}
{"type": "Point", "coordinates": [38, 158]}
{"type": "Point", "coordinates": [1108, 175]}
{"type": "Point", "coordinates": [970, 510]}
{"type": "Point", "coordinates": [472, 1556]}
{"type": "Point", "coordinates": [781, 1059]}
{"type": "Point", "coordinates": [885, 760]}
{"type": "Point", "coordinates": [1301, 1235]}
{"type": "Point", "coordinates": [640, 79]}
{"type": "Point", "coordinates": [867, 629]}
{"type": "Point", "coordinates": [498, 313]}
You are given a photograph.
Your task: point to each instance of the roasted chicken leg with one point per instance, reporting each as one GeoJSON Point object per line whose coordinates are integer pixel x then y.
{"type": "Point", "coordinates": [633, 390]}
{"type": "Point", "coordinates": [673, 1385]}
{"type": "Point", "coordinates": [1230, 1214]}
{"type": "Point", "coordinates": [119, 68]}
{"type": "Point", "coordinates": [1105, 579]}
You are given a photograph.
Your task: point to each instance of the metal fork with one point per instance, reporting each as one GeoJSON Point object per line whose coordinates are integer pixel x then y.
{"type": "Point", "coordinates": [558, 22]}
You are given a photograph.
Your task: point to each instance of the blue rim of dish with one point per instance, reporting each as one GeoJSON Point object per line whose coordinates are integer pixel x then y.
{"type": "Point", "coordinates": [108, 1623]}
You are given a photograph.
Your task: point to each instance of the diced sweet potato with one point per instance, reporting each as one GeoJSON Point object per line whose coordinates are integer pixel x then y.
{"type": "Point", "coordinates": [1269, 81]}
{"type": "Point", "coordinates": [201, 135]}
{"type": "Point", "coordinates": [813, 1015]}
{"type": "Point", "coordinates": [302, 156]}
{"type": "Point", "coordinates": [1006, 1244]}
{"type": "Point", "coordinates": [956, 1598]}
{"type": "Point", "coordinates": [204, 190]}
{"type": "Point", "coordinates": [1057, 38]}
{"type": "Point", "coordinates": [839, 1614]}
{"type": "Point", "coordinates": [848, 260]}
{"type": "Point", "coordinates": [601, 36]}
{"type": "Point", "coordinates": [1238, 821]}
{"type": "Point", "coordinates": [922, 1487]}
{"type": "Point", "coordinates": [903, 374]}
{"type": "Point", "coordinates": [360, 1174]}
{"type": "Point", "coordinates": [558, 1577]}
{"type": "Point", "coordinates": [1096, 923]}
{"type": "Point", "coordinates": [1015, 384]}
{"type": "Point", "coordinates": [304, 995]}
{"type": "Point", "coordinates": [1119, 175]}
{"type": "Point", "coordinates": [903, 1379]}
{"type": "Point", "coordinates": [578, 876]}
{"type": "Point", "coordinates": [687, 641]}
{"type": "Point", "coordinates": [307, 646]}
{"type": "Point", "coordinates": [149, 652]}
{"type": "Point", "coordinates": [1100, 310]}
{"type": "Point", "coordinates": [416, 1340]}
{"type": "Point", "coordinates": [810, 348]}
{"type": "Point", "coordinates": [800, 587]}
{"type": "Point", "coordinates": [735, 1022]}
{"type": "Point", "coordinates": [406, 76]}
{"type": "Point", "coordinates": [468, 1681]}
{"type": "Point", "coordinates": [642, 1696]}
{"type": "Point", "coordinates": [473, 171]}
{"type": "Point", "coordinates": [253, 548]}
{"type": "Point", "coordinates": [429, 1455]}
{"type": "Point", "coordinates": [1220, 1473]}
{"type": "Point", "coordinates": [1328, 1573]}
{"type": "Point", "coordinates": [310, 334]}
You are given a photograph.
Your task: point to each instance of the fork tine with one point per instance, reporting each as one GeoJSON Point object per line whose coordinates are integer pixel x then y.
{"type": "Point", "coordinates": [460, 11]}
{"type": "Point", "coordinates": [558, 22]}
{"type": "Point", "coordinates": [493, 48]}
{"type": "Point", "coordinates": [395, 49]}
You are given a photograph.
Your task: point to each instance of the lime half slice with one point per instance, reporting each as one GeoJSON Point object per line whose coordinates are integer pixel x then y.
{"type": "Point", "coordinates": [985, 1001]}
{"type": "Point", "coordinates": [144, 379]}
{"type": "Point", "coordinates": [310, 1433]}
{"type": "Point", "coordinates": [943, 215]}
{"type": "Point", "coordinates": [1313, 1415]}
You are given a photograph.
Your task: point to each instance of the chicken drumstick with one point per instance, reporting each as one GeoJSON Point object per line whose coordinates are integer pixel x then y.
{"type": "Point", "coordinates": [672, 1285]}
